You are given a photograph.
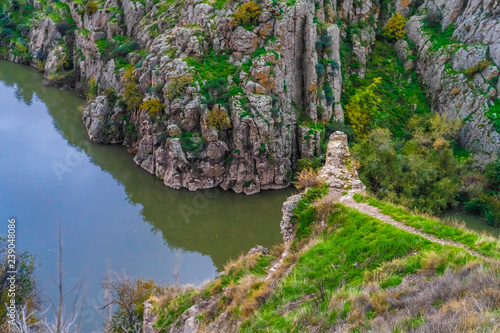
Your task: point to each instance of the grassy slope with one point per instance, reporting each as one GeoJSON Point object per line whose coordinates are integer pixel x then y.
{"type": "Point", "coordinates": [487, 246]}
{"type": "Point", "coordinates": [357, 251]}
{"type": "Point", "coordinates": [357, 274]}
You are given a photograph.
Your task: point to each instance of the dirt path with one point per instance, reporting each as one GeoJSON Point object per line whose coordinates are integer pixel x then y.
{"type": "Point", "coordinates": [375, 212]}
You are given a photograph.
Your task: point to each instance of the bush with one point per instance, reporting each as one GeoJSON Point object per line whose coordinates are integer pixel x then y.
{"type": "Point", "coordinates": [62, 27]}
{"type": "Point", "coordinates": [26, 289]}
{"type": "Point", "coordinates": [93, 89]}
{"type": "Point", "coordinates": [215, 92]}
{"type": "Point", "coordinates": [485, 206]}
{"type": "Point", "coordinates": [480, 66]}
{"type": "Point", "coordinates": [395, 27]}
{"type": "Point", "coordinates": [129, 295]}
{"type": "Point", "coordinates": [111, 94]}
{"type": "Point", "coordinates": [492, 173]}
{"type": "Point", "coordinates": [177, 86]}
{"type": "Point", "coordinates": [154, 107]}
{"type": "Point", "coordinates": [218, 118]}
{"type": "Point", "coordinates": [433, 19]}
{"type": "Point", "coordinates": [90, 7]}
{"type": "Point", "coordinates": [362, 107]}
{"type": "Point", "coordinates": [133, 96]}
{"type": "Point", "coordinates": [419, 172]}
{"type": "Point", "coordinates": [308, 178]}
{"type": "Point", "coordinates": [247, 13]}
{"type": "Point", "coordinates": [308, 164]}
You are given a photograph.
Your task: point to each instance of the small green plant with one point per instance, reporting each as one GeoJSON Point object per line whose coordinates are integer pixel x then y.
{"type": "Point", "coordinates": [177, 86]}
{"type": "Point", "coordinates": [154, 107]}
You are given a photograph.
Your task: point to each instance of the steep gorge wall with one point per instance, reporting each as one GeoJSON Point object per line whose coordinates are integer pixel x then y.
{"type": "Point", "coordinates": [285, 82]}
{"type": "Point", "coordinates": [446, 69]}
{"type": "Point", "coordinates": [271, 121]}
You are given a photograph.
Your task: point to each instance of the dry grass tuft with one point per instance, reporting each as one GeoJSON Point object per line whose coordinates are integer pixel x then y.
{"type": "Point", "coordinates": [308, 178]}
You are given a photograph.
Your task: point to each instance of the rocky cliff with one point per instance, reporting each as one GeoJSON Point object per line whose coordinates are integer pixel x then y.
{"type": "Point", "coordinates": [461, 73]}
{"type": "Point", "coordinates": [238, 92]}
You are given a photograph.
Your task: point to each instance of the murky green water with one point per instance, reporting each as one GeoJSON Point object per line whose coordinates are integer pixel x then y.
{"type": "Point", "coordinates": [473, 222]}
{"type": "Point", "coordinates": [114, 215]}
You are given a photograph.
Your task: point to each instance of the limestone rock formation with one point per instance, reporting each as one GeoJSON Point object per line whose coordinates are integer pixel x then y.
{"type": "Point", "coordinates": [339, 171]}
{"type": "Point", "coordinates": [282, 78]}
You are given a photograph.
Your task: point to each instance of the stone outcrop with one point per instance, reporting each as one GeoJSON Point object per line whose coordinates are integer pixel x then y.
{"type": "Point", "coordinates": [339, 171]}
{"type": "Point", "coordinates": [103, 121]}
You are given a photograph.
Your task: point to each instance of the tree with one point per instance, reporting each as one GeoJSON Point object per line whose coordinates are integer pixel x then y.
{"type": "Point", "coordinates": [362, 107]}
{"type": "Point", "coordinates": [395, 27]}
{"type": "Point", "coordinates": [129, 295]}
{"type": "Point", "coordinates": [419, 172]}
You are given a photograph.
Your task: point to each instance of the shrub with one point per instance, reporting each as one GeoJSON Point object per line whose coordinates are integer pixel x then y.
{"type": "Point", "coordinates": [395, 27]}
{"type": "Point", "coordinates": [470, 71]}
{"type": "Point", "coordinates": [417, 172]}
{"type": "Point", "coordinates": [215, 92]}
{"type": "Point", "coordinates": [111, 94]}
{"type": "Point", "coordinates": [90, 7]}
{"type": "Point", "coordinates": [62, 27]}
{"type": "Point", "coordinates": [177, 86]}
{"type": "Point", "coordinates": [133, 96]}
{"type": "Point", "coordinates": [93, 89]}
{"type": "Point", "coordinates": [15, 5]}
{"type": "Point", "coordinates": [308, 178]}
{"type": "Point", "coordinates": [320, 69]}
{"type": "Point", "coordinates": [153, 107]}
{"type": "Point", "coordinates": [485, 206]}
{"type": "Point", "coordinates": [362, 107]}
{"type": "Point", "coordinates": [218, 118]}
{"type": "Point", "coordinates": [492, 173]}
{"type": "Point", "coordinates": [247, 13]}
{"type": "Point", "coordinates": [308, 163]}
{"type": "Point", "coordinates": [129, 295]}
{"type": "Point", "coordinates": [433, 19]}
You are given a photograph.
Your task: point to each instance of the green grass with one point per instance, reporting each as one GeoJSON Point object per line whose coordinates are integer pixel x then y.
{"type": "Point", "coordinates": [305, 212]}
{"type": "Point", "coordinates": [212, 66]}
{"type": "Point", "coordinates": [440, 39]}
{"type": "Point", "coordinates": [470, 239]}
{"type": "Point", "coordinates": [399, 90]}
{"type": "Point", "coordinates": [342, 260]}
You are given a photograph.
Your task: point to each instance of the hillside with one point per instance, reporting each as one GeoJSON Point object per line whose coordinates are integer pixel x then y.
{"type": "Point", "coordinates": [346, 266]}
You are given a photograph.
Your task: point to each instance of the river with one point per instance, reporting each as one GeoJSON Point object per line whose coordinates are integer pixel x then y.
{"type": "Point", "coordinates": [114, 215]}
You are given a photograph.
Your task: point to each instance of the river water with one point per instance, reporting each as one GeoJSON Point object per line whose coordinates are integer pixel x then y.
{"type": "Point", "coordinates": [114, 215]}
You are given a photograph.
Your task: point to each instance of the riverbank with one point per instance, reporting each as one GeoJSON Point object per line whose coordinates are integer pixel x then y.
{"type": "Point", "coordinates": [115, 216]}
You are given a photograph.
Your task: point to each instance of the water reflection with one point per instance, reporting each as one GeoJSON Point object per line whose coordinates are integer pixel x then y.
{"type": "Point", "coordinates": [212, 222]}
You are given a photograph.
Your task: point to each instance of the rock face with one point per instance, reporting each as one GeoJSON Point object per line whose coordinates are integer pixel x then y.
{"type": "Point", "coordinates": [259, 146]}
{"type": "Point", "coordinates": [282, 79]}
{"type": "Point", "coordinates": [339, 171]}
{"type": "Point", "coordinates": [104, 122]}
{"type": "Point", "coordinates": [455, 93]}
{"type": "Point", "coordinates": [287, 228]}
